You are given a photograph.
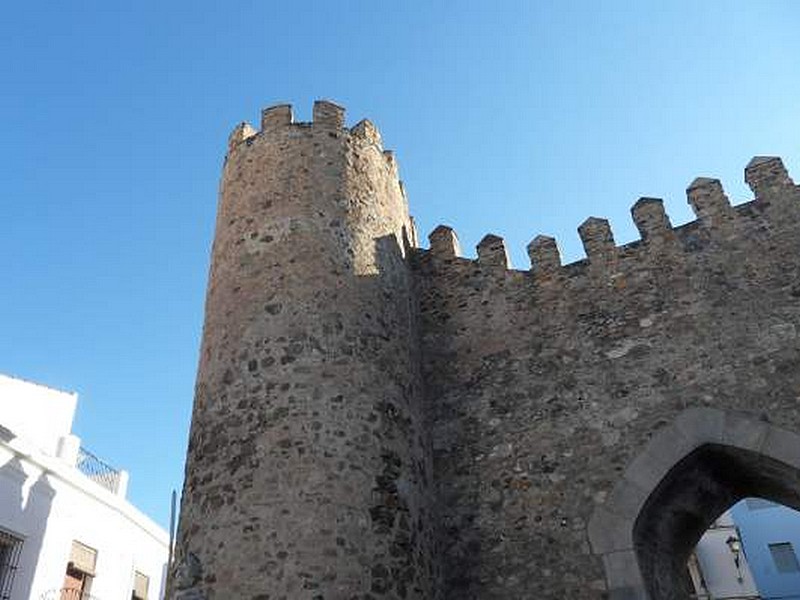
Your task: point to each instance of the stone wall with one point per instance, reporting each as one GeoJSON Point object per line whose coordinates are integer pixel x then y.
{"type": "Point", "coordinates": [542, 386]}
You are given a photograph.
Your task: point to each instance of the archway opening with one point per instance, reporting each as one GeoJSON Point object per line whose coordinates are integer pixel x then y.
{"type": "Point", "coordinates": [752, 551]}
{"type": "Point", "coordinates": [687, 501]}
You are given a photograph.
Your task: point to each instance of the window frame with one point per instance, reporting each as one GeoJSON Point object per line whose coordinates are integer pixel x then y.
{"type": "Point", "coordinates": [10, 551]}
{"type": "Point", "coordinates": [138, 577]}
{"type": "Point", "coordinates": [784, 557]}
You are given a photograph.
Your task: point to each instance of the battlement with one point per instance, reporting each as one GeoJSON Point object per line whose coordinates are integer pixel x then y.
{"type": "Point", "coordinates": [326, 116]}
{"type": "Point", "coordinates": [767, 177]}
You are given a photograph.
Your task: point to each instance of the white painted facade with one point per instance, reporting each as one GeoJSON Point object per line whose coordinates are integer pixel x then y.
{"type": "Point", "coordinates": [719, 568]}
{"type": "Point", "coordinates": [48, 503]}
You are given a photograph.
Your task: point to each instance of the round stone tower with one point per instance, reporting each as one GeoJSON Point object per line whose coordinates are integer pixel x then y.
{"type": "Point", "coordinates": [307, 470]}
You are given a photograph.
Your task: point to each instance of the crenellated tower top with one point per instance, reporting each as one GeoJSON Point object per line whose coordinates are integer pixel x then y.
{"type": "Point", "coordinates": [326, 116]}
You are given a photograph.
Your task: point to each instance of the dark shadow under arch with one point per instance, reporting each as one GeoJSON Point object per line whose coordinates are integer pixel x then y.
{"type": "Point", "coordinates": [695, 492]}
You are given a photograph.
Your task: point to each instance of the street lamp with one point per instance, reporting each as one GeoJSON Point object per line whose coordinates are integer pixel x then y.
{"type": "Point", "coordinates": [735, 546]}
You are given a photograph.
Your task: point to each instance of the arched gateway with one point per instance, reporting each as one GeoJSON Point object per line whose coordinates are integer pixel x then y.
{"type": "Point", "coordinates": [690, 472]}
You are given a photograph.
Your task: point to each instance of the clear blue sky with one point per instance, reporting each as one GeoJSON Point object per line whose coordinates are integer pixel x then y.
{"type": "Point", "coordinates": [516, 118]}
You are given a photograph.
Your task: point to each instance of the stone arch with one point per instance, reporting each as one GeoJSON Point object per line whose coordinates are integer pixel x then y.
{"type": "Point", "coordinates": [688, 474]}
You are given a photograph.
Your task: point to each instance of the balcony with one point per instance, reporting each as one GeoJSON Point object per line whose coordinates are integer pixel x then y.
{"type": "Point", "coordinates": [101, 472]}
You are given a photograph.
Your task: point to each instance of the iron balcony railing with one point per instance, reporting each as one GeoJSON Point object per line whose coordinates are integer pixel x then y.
{"type": "Point", "coordinates": [98, 471]}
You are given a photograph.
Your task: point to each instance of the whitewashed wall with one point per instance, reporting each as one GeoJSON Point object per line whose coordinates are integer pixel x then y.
{"type": "Point", "coordinates": [38, 413]}
{"type": "Point", "coordinates": [46, 501]}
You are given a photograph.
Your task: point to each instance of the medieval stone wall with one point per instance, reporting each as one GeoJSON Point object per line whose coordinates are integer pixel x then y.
{"type": "Point", "coordinates": [542, 386]}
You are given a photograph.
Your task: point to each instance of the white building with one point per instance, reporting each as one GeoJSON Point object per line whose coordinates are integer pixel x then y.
{"type": "Point", "coordinates": [66, 530]}
{"type": "Point", "coordinates": [718, 567]}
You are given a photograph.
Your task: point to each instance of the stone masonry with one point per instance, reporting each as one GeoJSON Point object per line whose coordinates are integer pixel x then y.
{"type": "Point", "coordinates": [374, 420]}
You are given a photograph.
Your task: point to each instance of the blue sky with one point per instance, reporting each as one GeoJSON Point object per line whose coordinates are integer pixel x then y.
{"type": "Point", "coordinates": [515, 118]}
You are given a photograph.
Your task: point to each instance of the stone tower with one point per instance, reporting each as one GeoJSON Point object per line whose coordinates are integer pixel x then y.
{"type": "Point", "coordinates": [307, 472]}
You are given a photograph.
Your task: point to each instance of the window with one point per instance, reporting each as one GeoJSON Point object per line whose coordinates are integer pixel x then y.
{"type": "Point", "coordinates": [140, 584]}
{"type": "Point", "coordinates": [784, 557]}
{"type": "Point", "coordinates": [10, 547]}
{"type": "Point", "coordinates": [80, 570]}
